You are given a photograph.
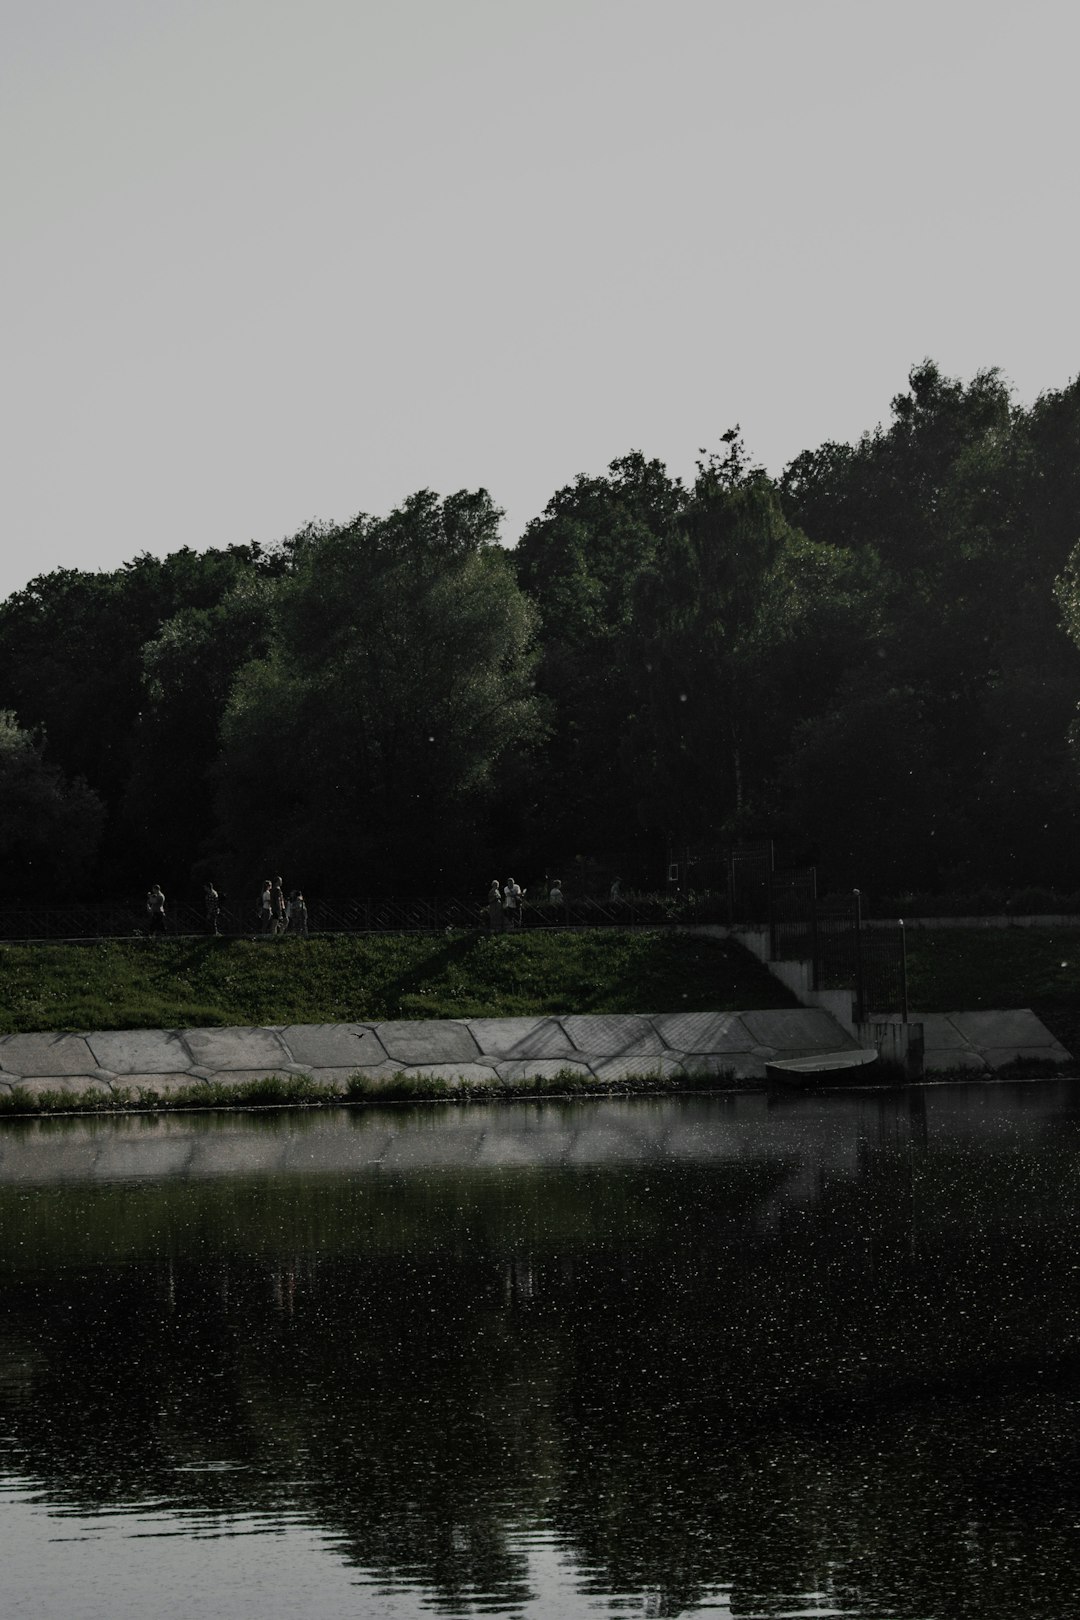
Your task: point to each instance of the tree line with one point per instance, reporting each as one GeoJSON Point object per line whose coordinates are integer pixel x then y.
{"type": "Point", "coordinates": [871, 659]}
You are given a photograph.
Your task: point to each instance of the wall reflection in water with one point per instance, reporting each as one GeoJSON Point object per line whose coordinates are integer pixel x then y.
{"type": "Point", "coordinates": [820, 1353]}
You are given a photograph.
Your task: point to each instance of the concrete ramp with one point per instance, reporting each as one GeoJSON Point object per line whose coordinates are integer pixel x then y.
{"type": "Point", "coordinates": [986, 1042]}
{"type": "Point", "coordinates": [511, 1051]}
{"type": "Point", "coordinates": [508, 1050]}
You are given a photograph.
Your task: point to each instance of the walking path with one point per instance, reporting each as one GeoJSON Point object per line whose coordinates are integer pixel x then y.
{"type": "Point", "coordinates": [509, 1050]}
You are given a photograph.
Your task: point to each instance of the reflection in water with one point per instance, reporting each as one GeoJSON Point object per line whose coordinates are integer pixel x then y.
{"type": "Point", "coordinates": [660, 1356]}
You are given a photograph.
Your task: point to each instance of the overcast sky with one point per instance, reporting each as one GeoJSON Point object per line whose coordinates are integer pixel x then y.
{"type": "Point", "coordinates": [266, 261]}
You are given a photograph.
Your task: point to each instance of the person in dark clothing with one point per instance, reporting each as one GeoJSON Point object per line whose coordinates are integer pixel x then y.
{"type": "Point", "coordinates": [213, 908]}
{"type": "Point", "coordinates": [277, 902]}
{"type": "Point", "coordinates": [155, 910]}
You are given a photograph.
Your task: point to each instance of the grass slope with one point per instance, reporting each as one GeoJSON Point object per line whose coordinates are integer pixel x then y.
{"type": "Point", "coordinates": [964, 969]}
{"type": "Point", "coordinates": [172, 983]}
{"type": "Point", "coordinates": [967, 969]}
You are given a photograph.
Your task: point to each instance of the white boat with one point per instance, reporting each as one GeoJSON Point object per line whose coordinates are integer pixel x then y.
{"type": "Point", "coordinates": [854, 1066]}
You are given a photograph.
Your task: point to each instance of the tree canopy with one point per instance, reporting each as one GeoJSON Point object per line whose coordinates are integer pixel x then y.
{"type": "Point", "coordinates": [871, 658]}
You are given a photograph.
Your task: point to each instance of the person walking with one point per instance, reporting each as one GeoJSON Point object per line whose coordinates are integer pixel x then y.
{"type": "Point", "coordinates": [265, 910]}
{"type": "Point", "coordinates": [512, 904]}
{"type": "Point", "coordinates": [155, 910]}
{"type": "Point", "coordinates": [296, 913]}
{"type": "Point", "coordinates": [277, 906]}
{"type": "Point", "coordinates": [495, 907]}
{"type": "Point", "coordinates": [212, 902]}
{"type": "Point", "coordinates": [556, 901]}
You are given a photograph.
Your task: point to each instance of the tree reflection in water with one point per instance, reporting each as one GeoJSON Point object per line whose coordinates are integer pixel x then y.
{"type": "Point", "coordinates": [780, 1372]}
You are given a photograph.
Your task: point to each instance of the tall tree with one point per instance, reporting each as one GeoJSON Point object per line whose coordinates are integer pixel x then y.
{"type": "Point", "coordinates": [362, 752]}
{"type": "Point", "coordinates": [50, 827]}
{"type": "Point", "coordinates": [746, 626]}
{"type": "Point", "coordinates": [189, 669]}
{"type": "Point", "coordinates": [71, 662]}
{"type": "Point", "coordinates": [580, 562]}
{"type": "Point", "coordinates": [972, 504]}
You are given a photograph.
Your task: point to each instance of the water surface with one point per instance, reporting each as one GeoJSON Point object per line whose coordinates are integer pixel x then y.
{"type": "Point", "coordinates": [665, 1357]}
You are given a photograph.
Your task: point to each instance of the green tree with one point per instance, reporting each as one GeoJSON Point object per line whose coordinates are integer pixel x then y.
{"type": "Point", "coordinates": [189, 669]}
{"type": "Point", "coordinates": [746, 627]}
{"type": "Point", "coordinates": [72, 663]}
{"type": "Point", "coordinates": [50, 828]}
{"type": "Point", "coordinates": [972, 504]}
{"type": "Point", "coordinates": [581, 562]}
{"type": "Point", "coordinates": [362, 752]}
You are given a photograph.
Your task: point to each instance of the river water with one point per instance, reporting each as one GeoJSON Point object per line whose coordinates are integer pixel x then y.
{"type": "Point", "coordinates": [725, 1356]}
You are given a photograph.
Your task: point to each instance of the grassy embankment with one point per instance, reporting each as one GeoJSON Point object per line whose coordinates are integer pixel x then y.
{"type": "Point", "coordinates": [186, 983]}
{"type": "Point", "coordinates": [177, 983]}
{"type": "Point", "coordinates": [174, 983]}
{"type": "Point", "coordinates": [133, 984]}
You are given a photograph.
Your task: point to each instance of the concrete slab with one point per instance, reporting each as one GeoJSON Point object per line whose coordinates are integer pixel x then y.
{"type": "Point", "coordinates": [429, 1040]}
{"type": "Point", "coordinates": [45, 1054]}
{"type": "Point", "coordinates": [1018, 1028]}
{"type": "Point", "coordinates": [235, 1048]}
{"type": "Point", "coordinates": [71, 1085]}
{"type": "Point", "coordinates": [612, 1035]}
{"type": "Point", "coordinates": [737, 1065]}
{"type": "Point", "coordinates": [520, 1037]}
{"type": "Point", "coordinates": [333, 1046]}
{"type": "Point", "coordinates": [373, 1073]}
{"type": "Point", "coordinates": [937, 1059]}
{"type": "Point", "coordinates": [243, 1077]}
{"type": "Point", "coordinates": [999, 1057]}
{"type": "Point", "coordinates": [703, 1031]}
{"type": "Point", "coordinates": [797, 1029]}
{"type": "Point", "coordinates": [455, 1073]}
{"type": "Point", "coordinates": [514, 1071]}
{"type": "Point", "coordinates": [627, 1066]}
{"type": "Point", "coordinates": [507, 1050]}
{"type": "Point", "coordinates": [139, 1051]}
{"type": "Point", "coordinates": [940, 1033]}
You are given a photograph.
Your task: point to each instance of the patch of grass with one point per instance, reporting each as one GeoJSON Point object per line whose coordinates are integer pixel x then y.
{"type": "Point", "coordinates": [966, 969]}
{"type": "Point", "coordinates": [192, 983]}
{"type": "Point", "coordinates": [275, 1091]}
{"type": "Point", "coordinates": [271, 1091]}
{"type": "Point", "coordinates": [566, 1083]}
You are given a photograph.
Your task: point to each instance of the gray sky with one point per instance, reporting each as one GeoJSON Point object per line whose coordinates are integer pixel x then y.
{"type": "Point", "coordinates": [266, 261]}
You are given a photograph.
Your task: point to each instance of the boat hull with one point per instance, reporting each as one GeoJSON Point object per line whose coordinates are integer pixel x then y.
{"type": "Point", "coordinates": [855, 1066]}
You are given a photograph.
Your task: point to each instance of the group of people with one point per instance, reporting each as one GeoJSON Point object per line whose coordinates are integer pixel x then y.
{"type": "Point", "coordinates": [278, 915]}
{"type": "Point", "coordinates": [274, 913]}
{"type": "Point", "coordinates": [504, 904]}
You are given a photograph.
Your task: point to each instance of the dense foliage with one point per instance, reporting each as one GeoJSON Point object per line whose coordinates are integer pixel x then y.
{"type": "Point", "coordinates": [871, 659]}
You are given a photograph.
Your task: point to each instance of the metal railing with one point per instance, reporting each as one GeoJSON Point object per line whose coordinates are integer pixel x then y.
{"type": "Point", "coordinates": [124, 920]}
{"type": "Point", "coordinates": [831, 933]}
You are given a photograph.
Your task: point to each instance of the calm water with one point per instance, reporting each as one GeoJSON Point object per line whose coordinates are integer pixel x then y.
{"type": "Point", "coordinates": [657, 1357]}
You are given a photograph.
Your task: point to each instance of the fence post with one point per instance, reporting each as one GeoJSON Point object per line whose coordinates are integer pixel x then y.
{"type": "Point", "coordinates": [860, 988]}
{"type": "Point", "coordinates": [815, 949]}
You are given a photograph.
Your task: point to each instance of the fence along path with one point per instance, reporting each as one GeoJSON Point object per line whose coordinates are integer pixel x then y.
{"type": "Point", "coordinates": [128, 919]}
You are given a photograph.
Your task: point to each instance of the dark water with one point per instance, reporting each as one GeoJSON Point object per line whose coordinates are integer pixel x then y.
{"type": "Point", "coordinates": [654, 1357]}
